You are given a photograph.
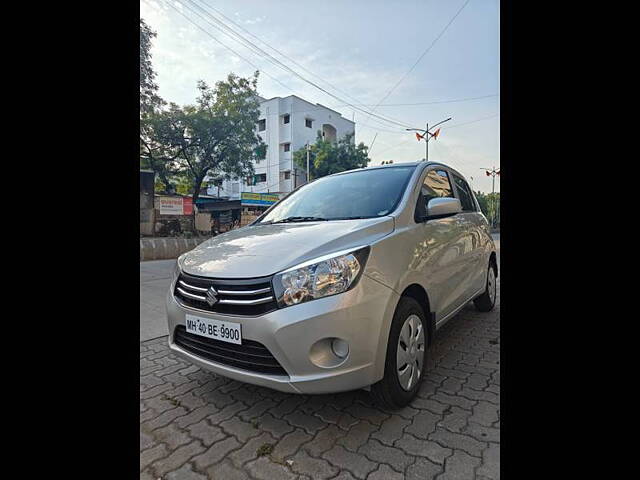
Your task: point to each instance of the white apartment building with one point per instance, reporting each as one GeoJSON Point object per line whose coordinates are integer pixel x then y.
{"type": "Point", "coordinates": [286, 125]}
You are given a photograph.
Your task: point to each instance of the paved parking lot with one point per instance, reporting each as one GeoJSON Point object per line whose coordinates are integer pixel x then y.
{"type": "Point", "coordinates": [197, 425]}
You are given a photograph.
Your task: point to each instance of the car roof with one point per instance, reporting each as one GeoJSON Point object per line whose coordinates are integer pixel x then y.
{"type": "Point", "coordinates": [399, 165]}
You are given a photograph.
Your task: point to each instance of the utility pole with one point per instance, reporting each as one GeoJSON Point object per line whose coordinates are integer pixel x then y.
{"type": "Point", "coordinates": [427, 135]}
{"type": "Point", "coordinates": [426, 145]}
{"type": "Point", "coordinates": [493, 172]}
{"type": "Point", "coordinates": [308, 172]}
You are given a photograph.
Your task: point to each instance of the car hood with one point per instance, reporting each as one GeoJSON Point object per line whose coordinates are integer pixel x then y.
{"type": "Point", "coordinates": [261, 250]}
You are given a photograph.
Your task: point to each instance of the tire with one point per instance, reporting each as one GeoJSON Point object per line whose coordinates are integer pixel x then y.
{"type": "Point", "coordinates": [487, 300]}
{"type": "Point", "coordinates": [389, 391]}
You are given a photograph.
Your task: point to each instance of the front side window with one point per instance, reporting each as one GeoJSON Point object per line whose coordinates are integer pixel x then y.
{"type": "Point", "coordinates": [436, 185]}
{"type": "Point", "coordinates": [287, 147]}
{"type": "Point", "coordinates": [260, 178]}
{"type": "Point", "coordinates": [308, 123]}
{"type": "Point", "coordinates": [464, 194]}
{"type": "Point", "coordinates": [366, 193]}
{"type": "Point", "coordinates": [286, 119]}
{"type": "Point", "coordinates": [262, 125]}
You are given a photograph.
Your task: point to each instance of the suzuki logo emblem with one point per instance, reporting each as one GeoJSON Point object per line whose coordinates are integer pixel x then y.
{"type": "Point", "coordinates": [211, 296]}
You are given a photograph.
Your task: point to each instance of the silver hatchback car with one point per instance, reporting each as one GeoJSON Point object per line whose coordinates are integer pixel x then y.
{"type": "Point", "coordinates": [339, 286]}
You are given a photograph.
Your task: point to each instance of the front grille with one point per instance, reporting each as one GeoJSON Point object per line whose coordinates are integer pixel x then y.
{"type": "Point", "coordinates": [251, 356]}
{"type": "Point", "coordinates": [248, 297]}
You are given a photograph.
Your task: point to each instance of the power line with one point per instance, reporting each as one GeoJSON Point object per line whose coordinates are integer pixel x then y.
{"type": "Point", "coordinates": [474, 121]}
{"type": "Point", "coordinates": [406, 140]}
{"type": "Point", "coordinates": [452, 126]}
{"type": "Point", "coordinates": [424, 103]}
{"type": "Point", "coordinates": [278, 52]}
{"type": "Point", "coordinates": [167, 2]}
{"type": "Point", "coordinates": [236, 53]}
{"type": "Point", "coordinates": [279, 64]}
{"type": "Point", "coordinates": [422, 55]}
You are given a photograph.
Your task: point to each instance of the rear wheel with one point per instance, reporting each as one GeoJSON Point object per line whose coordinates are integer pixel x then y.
{"type": "Point", "coordinates": [487, 300]}
{"type": "Point", "coordinates": [406, 356]}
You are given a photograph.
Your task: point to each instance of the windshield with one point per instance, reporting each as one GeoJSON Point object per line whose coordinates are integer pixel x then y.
{"type": "Point", "coordinates": [360, 194]}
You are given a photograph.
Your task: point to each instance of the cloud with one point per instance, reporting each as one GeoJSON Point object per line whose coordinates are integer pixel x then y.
{"type": "Point", "coordinates": [254, 21]}
{"type": "Point", "coordinates": [183, 54]}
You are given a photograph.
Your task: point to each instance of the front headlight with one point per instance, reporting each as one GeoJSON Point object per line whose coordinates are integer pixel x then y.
{"type": "Point", "coordinates": [321, 277]}
{"type": "Point", "coordinates": [176, 270]}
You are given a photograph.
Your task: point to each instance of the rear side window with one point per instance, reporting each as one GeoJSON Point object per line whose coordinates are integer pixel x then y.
{"type": "Point", "coordinates": [464, 194]}
{"type": "Point", "coordinates": [436, 184]}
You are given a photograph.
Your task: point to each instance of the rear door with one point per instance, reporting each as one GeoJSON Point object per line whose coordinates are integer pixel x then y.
{"type": "Point", "coordinates": [471, 238]}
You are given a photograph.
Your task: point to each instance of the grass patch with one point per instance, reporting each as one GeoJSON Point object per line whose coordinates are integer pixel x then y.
{"type": "Point", "coordinates": [172, 401]}
{"type": "Point", "coordinates": [265, 449]}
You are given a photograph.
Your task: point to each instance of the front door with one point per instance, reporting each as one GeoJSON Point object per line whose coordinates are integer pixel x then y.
{"type": "Point", "coordinates": [443, 261]}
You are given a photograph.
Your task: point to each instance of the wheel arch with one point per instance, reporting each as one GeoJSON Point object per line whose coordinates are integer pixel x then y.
{"type": "Point", "coordinates": [420, 295]}
{"type": "Point", "coordinates": [493, 261]}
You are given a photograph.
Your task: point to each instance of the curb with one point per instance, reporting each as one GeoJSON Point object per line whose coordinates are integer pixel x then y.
{"type": "Point", "coordinates": [167, 248]}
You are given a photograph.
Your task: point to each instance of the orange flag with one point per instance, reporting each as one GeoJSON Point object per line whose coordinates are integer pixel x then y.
{"type": "Point", "coordinates": [436, 133]}
{"type": "Point", "coordinates": [418, 136]}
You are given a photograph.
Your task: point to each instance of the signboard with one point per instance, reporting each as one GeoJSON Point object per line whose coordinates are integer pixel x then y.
{"type": "Point", "coordinates": [187, 206]}
{"type": "Point", "coordinates": [175, 205]}
{"type": "Point", "coordinates": [258, 199]}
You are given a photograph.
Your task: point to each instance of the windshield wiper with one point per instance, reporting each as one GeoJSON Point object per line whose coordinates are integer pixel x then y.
{"type": "Point", "coordinates": [301, 219]}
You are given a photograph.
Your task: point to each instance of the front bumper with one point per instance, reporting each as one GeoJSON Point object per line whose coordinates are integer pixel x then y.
{"type": "Point", "coordinates": [360, 316]}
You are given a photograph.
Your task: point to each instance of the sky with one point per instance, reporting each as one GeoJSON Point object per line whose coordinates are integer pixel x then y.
{"type": "Point", "coordinates": [358, 50]}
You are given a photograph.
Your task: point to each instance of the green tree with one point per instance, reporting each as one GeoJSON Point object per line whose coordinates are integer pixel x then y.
{"type": "Point", "coordinates": [149, 98]}
{"type": "Point", "coordinates": [216, 136]}
{"type": "Point", "coordinates": [156, 150]}
{"type": "Point", "coordinates": [326, 157]}
{"type": "Point", "coordinates": [154, 154]}
{"type": "Point", "coordinates": [490, 205]}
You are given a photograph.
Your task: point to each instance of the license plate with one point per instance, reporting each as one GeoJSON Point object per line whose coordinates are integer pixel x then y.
{"type": "Point", "coordinates": [205, 327]}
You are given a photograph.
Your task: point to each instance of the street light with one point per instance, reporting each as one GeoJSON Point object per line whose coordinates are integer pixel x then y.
{"type": "Point", "coordinates": [428, 137]}
{"type": "Point", "coordinates": [493, 172]}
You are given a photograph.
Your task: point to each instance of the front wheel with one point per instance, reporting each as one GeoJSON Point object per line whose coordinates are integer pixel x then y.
{"type": "Point", "coordinates": [406, 356]}
{"type": "Point", "coordinates": [487, 300]}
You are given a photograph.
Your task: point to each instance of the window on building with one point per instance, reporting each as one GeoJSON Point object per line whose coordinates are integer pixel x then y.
{"type": "Point", "coordinates": [261, 152]}
{"type": "Point", "coordinates": [262, 125]}
{"type": "Point", "coordinates": [464, 194]}
{"type": "Point", "coordinates": [287, 147]}
{"type": "Point", "coordinates": [286, 174]}
{"type": "Point", "coordinates": [436, 184]}
{"type": "Point", "coordinates": [308, 123]}
{"type": "Point", "coordinates": [286, 119]}
{"type": "Point", "coordinates": [250, 181]}
{"type": "Point", "coordinates": [260, 178]}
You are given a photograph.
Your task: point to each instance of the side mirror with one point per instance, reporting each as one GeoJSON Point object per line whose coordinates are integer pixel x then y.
{"type": "Point", "coordinates": [443, 207]}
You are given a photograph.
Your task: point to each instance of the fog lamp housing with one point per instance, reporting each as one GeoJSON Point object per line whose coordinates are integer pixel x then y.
{"type": "Point", "coordinates": [340, 347]}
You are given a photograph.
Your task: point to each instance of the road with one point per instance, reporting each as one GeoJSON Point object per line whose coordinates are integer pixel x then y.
{"type": "Point", "coordinates": [197, 425]}
{"type": "Point", "coordinates": [155, 277]}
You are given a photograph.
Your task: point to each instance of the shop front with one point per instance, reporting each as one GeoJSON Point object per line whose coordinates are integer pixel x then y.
{"type": "Point", "coordinates": [254, 205]}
